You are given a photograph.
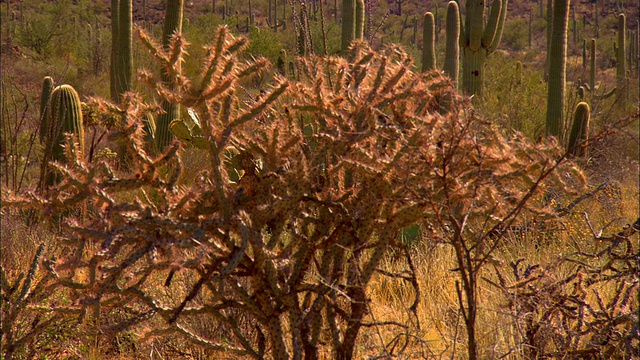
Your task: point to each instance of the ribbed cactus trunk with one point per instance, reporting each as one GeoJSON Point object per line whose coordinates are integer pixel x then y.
{"type": "Point", "coordinates": [478, 40]}
{"type": "Point", "coordinates": [621, 67]}
{"type": "Point", "coordinates": [548, 33]}
{"type": "Point", "coordinates": [360, 15]}
{"type": "Point", "coordinates": [579, 130]}
{"type": "Point", "coordinates": [592, 66]}
{"type": "Point", "coordinates": [115, 8]}
{"type": "Point", "coordinates": [557, 68]}
{"type": "Point", "coordinates": [452, 48]}
{"type": "Point", "coordinates": [348, 23]}
{"type": "Point", "coordinates": [47, 88]}
{"type": "Point", "coordinates": [64, 115]}
{"type": "Point", "coordinates": [428, 43]}
{"type": "Point", "coordinates": [123, 69]}
{"type": "Point", "coordinates": [172, 25]}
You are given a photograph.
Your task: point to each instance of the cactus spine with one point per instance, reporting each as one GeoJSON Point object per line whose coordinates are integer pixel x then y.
{"type": "Point", "coordinates": [172, 25]}
{"type": "Point", "coordinates": [428, 43]}
{"type": "Point", "coordinates": [348, 23]}
{"type": "Point", "coordinates": [579, 130]}
{"type": "Point", "coordinates": [47, 88]}
{"type": "Point", "coordinates": [452, 49]}
{"type": "Point", "coordinates": [64, 115]}
{"type": "Point", "coordinates": [557, 68]}
{"type": "Point", "coordinates": [478, 40]}
{"type": "Point", "coordinates": [621, 68]}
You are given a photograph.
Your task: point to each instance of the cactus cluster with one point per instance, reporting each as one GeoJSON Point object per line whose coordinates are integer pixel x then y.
{"type": "Point", "coordinates": [452, 47]}
{"type": "Point", "coordinates": [480, 36]}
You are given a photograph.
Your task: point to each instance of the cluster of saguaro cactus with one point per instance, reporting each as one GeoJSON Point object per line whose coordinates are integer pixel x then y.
{"type": "Point", "coordinates": [272, 19]}
{"type": "Point", "coordinates": [353, 21]}
{"type": "Point", "coordinates": [62, 114]}
{"type": "Point", "coordinates": [479, 38]}
{"type": "Point", "coordinates": [452, 48]}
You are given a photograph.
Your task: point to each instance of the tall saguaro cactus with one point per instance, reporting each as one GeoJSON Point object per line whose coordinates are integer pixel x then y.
{"type": "Point", "coordinates": [621, 67]}
{"type": "Point", "coordinates": [452, 48]}
{"type": "Point", "coordinates": [121, 47]}
{"type": "Point", "coordinates": [478, 40]}
{"type": "Point", "coordinates": [47, 88]}
{"type": "Point", "coordinates": [428, 43]}
{"type": "Point", "coordinates": [359, 18]}
{"type": "Point", "coordinates": [348, 23]}
{"type": "Point", "coordinates": [115, 8]}
{"type": "Point", "coordinates": [557, 68]}
{"type": "Point", "coordinates": [172, 25]}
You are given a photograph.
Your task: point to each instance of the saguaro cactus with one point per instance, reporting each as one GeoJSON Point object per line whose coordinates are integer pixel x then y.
{"type": "Point", "coordinates": [592, 66]}
{"type": "Point", "coordinates": [621, 67]}
{"type": "Point", "coordinates": [557, 68]}
{"type": "Point", "coordinates": [452, 48]}
{"type": "Point", "coordinates": [47, 88]}
{"type": "Point", "coordinates": [348, 23]}
{"type": "Point", "coordinates": [478, 40]}
{"type": "Point", "coordinates": [172, 25]}
{"type": "Point", "coordinates": [359, 25]}
{"type": "Point", "coordinates": [121, 48]}
{"type": "Point", "coordinates": [64, 115]}
{"type": "Point", "coordinates": [579, 130]}
{"type": "Point", "coordinates": [428, 43]}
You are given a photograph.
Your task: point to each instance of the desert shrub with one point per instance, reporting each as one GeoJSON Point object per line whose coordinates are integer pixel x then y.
{"type": "Point", "coordinates": [518, 102]}
{"type": "Point", "coordinates": [516, 34]}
